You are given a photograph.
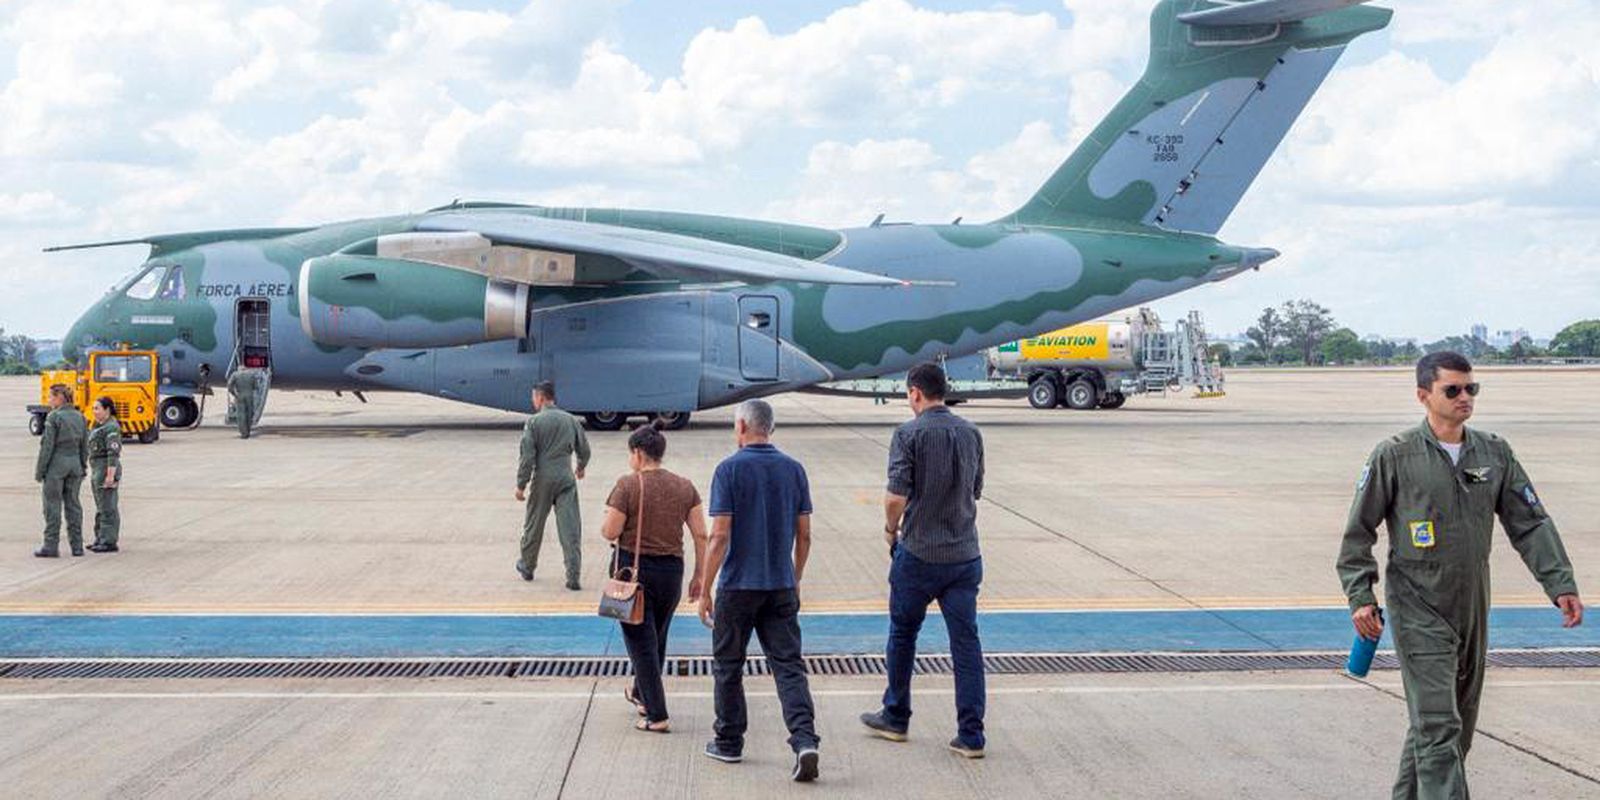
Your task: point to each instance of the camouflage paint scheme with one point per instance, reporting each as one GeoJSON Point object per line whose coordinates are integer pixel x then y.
{"type": "Point", "coordinates": [1128, 218]}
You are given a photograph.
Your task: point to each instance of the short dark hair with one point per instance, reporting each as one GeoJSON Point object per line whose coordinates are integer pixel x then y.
{"type": "Point", "coordinates": [110, 407]}
{"type": "Point", "coordinates": [1429, 365]}
{"type": "Point", "coordinates": [63, 390]}
{"type": "Point", "coordinates": [929, 379]}
{"type": "Point", "coordinates": [649, 441]}
{"type": "Point", "coordinates": [546, 388]}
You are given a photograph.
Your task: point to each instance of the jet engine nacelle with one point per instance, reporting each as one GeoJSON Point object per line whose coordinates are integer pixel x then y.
{"type": "Point", "coordinates": [368, 301]}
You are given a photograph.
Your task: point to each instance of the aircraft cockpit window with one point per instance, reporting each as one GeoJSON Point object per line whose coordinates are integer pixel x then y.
{"type": "Point", "coordinates": [146, 286]}
{"type": "Point", "coordinates": [172, 288]}
{"type": "Point", "coordinates": [122, 369]}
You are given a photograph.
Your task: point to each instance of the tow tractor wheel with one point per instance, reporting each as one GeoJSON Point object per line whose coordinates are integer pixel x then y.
{"type": "Point", "coordinates": [1081, 395]}
{"type": "Point", "coordinates": [604, 420]}
{"type": "Point", "coordinates": [1042, 393]}
{"type": "Point", "coordinates": [179, 412]}
{"type": "Point", "coordinates": [671, 420]}
{"type": "Point", "coordinates": [36, 424]}
{"type": "Point", "coordinates": [1113, 400]}
{"type": "Point", "coordinates": [150, 436]}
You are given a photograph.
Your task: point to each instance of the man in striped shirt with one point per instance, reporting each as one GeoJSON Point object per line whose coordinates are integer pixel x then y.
{"type": "Point", "coordinates": [935, 481]}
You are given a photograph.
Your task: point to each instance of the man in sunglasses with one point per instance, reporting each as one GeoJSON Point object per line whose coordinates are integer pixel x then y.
{"type": "Point", "coordinates": [1438, 488]}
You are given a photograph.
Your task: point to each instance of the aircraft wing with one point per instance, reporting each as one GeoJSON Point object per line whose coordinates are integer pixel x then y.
{"type": "Point", "coordinates": [653, 251]}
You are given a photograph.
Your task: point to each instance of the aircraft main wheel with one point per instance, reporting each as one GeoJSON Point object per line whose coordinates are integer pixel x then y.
{"type": "Point", "coordinates": [671, 420]}
{"type": "Point", "coordinates": [150, 436]}
{"type": "Point", "coordinates": [1042, 393]}
{"type": "Point", "coordinates": [605, 420]}
{"type": "Point", "coordinates": [36, 424]}
{"type": "Point", "coordinates": [1113, 400]}
{"type": "Point", "coordinates": [1081, 395]}
{"type": "Point", "coordinates": [179, 412]}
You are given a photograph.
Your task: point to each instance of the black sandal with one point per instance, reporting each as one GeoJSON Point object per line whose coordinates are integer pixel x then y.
{"type": "Point", "coordinates": [633, 697]}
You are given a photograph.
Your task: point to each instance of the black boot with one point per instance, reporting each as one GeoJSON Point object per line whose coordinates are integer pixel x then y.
{"type": "Point", "coordinates": [45, 552]}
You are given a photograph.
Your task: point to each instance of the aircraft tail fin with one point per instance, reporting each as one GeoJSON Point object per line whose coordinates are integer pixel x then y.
{"type": "Point", "coordinates": [1225, 82]}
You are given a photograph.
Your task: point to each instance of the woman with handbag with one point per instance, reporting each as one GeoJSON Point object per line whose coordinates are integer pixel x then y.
{"type": "Point", "coordinates": [645, 518]}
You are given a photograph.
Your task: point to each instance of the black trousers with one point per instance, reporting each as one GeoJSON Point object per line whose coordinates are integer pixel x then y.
{"type": "Point", "coordinates": [661, 578]}
{"type": "Point", "coordinates": [774, 617]}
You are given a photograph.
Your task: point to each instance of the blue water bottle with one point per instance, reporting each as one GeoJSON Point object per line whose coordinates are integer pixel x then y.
{"type": "Point", "coordinates": [1361, 652]}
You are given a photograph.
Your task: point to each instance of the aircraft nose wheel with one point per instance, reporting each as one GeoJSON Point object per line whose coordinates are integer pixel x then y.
{"type": "Point", "coordinates": [179, 412]}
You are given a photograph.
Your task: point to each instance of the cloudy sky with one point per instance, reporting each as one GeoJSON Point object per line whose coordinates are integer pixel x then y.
{"type": "Point", "coordinates": [1449, 172]}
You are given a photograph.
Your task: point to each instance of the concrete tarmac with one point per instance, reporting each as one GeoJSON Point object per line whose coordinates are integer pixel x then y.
{"type": "Point", "coordinates": [404, 507]}
{"type": "Point", "coordinates": [1256, 735]}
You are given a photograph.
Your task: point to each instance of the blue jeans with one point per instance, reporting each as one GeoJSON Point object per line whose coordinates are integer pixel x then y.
{"type": "Point", "coordinates": [913, 585]}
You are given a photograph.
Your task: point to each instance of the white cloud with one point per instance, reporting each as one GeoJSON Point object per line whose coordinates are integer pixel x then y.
{"type": "Point", "coordinates": [124, 117]}
{"type": "Point", "coordinates": [33, 208]}
{"type": "Point", "coordinates": [1522, 121]}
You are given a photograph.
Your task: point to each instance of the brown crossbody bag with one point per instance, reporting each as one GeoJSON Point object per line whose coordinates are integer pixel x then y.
{"type": "Point", "coordinates": [623, 599]}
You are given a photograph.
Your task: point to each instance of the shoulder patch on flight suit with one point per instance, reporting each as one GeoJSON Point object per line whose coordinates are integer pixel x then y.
{"type": "Point", "coordinates": [1366, 472]}
{"type": "Point", "coordinates": [1528, 495]}
{"type": "Point", "coordinates": [1421, 534]}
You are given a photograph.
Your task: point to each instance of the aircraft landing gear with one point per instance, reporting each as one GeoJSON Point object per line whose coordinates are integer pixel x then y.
{"type": "Point", "coordinates": [179, 412]}
{"type": "Point", "coordinates": [604, 420]}
{"type": "Point", "coordinates": [671, 420]}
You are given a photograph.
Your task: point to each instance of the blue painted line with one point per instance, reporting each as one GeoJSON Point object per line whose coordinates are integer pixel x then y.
{"type": "Point", "coordinates": [149, 636]}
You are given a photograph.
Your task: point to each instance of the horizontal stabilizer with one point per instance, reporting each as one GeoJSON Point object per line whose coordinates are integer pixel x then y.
{"type": "Point", "coordinates": [1264, 12]}
{"type": "Point", "coordinates": [666, 254]}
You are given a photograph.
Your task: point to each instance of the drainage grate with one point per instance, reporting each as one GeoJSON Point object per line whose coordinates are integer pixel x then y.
{"type": "Point", "coordinates": [701, 666]}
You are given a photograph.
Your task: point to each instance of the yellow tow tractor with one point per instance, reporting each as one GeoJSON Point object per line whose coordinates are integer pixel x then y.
{"type": "Point", "coordinates": [128, 377]}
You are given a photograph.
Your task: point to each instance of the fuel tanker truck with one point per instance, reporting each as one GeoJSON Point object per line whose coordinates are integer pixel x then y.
{"type": "Point", "coordinates": [1097, 364]}
{"type": "Point", "coordinates": [1100, 364]}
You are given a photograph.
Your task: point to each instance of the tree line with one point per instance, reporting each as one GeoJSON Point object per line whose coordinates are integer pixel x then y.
{"type": "Point", "coordinates": [1302, 332]}
{"type": "Point", "coordinates": [19, 355]}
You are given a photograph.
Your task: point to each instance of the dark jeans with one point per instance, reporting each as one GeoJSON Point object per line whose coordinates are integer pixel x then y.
{"type": "Point", "coordinates": [774, 617]}
{"type": "Point", "coordinates": [661, 579]}
{"type": "Point", "coordinates": [913, 584]}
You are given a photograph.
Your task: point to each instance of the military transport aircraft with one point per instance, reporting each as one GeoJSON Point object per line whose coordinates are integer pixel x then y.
{"type": "Point", "coordinates": [663, 313]}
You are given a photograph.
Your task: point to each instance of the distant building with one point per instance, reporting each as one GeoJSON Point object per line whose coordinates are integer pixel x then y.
{"type": "Point", "coordinates": [1480, 332]}
{"type": "Point", "coordinates": [1504, 339]}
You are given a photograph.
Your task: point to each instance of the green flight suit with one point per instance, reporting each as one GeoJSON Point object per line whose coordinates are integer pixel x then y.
{"type": "Point", "coordinates": [105, 457]}
{"type": "Point", "coordinates": [244, 387]}
{"type": "Point", "coordinates": [1440, 518]}
{"type": "Point", "coordinates": [63, 456]}
{"type": "Point", "coordinates": [549, 441]}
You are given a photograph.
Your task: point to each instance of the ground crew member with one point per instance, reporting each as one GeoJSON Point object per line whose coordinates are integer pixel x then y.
{"type": "Point", "coordinates": [105, 475]}
{"type": "Point", "coordinates": [243, 385]}
{"type": "Point", "coordinates": [546, 480]}
{"type": "Point", "coordinates": [1437, 488]}
{"type": "Point", "coordinates": [63, 455]}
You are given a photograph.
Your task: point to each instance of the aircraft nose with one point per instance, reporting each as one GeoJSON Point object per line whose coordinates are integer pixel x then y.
{"type": "Point", "coordinates": [72, 345]}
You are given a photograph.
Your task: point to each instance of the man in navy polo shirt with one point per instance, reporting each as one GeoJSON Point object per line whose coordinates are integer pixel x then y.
{"type": "Point", "coordinates": [760, 538]}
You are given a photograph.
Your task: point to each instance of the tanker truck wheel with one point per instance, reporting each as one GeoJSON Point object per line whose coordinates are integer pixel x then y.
{"type": "Point", "coordinates": [1042, 393]}
{"type": "Point", "coordinates": [1113, 400]}
{"type": "Point", "coordinates": [36, 424]}
{"type": "Point", "coordinates": [1082, 395]}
